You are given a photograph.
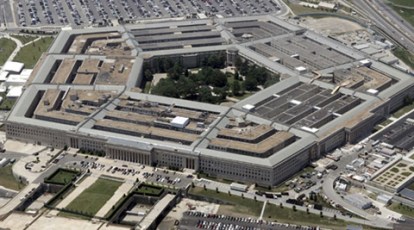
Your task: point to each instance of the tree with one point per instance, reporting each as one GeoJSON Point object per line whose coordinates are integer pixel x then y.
{"type": "Point", "coordinates": [250, 83]}
{"type": "Point", "coordinates": [242, 195]}
{"type": "Point", "coordinates": [334, 216]}
{"type": "Point", "coordinates": [229, 193]}
{"type": "Point", "coordinates": [204, 186]}
{"type": "Point", "coordinates": [148, 75]}
{"type": "Point", "coordinates": [192, 184]}
{"type": "Point", "coordinates": [281, 205]}
{"type": "Point", "coordinates": [307, 210]}
{"type": "Point", "coordinates": [294, 208]}
{"type": "Point", "coordinates": [217, 190]}
{"type": "Point", "coordinates": [255, 198]}
{"type": "Point", "coordinates": [236, 75]}
{"type": "Point", "coordinates": [235, 87]}
{"type": "Point", "coordinates": [175, 72]}
{"type": "Point", "coordinates": [321, 214]}
{"type": "Point", "coordinates": [165, 87]}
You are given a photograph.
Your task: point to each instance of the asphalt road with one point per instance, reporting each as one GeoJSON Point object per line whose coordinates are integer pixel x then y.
{"type": "Point", "coordinates": [370, 9]}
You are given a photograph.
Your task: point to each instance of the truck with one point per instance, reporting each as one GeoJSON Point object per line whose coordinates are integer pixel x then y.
{"type": "Point", "coordinates": [238, 187]}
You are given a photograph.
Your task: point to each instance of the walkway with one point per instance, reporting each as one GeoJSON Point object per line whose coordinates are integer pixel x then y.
{"type": "Point", "coordinates": [81, 187]}
{"type": "Point", "coordinates": [123, 189]}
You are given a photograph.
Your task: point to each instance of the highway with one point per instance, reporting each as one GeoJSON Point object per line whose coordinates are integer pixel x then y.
{"type": "Point", "coordinates": [387, 21]}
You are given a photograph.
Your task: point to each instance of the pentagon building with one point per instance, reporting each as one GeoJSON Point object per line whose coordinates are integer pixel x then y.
{"type": "Point", "coordinates": [83, 94]}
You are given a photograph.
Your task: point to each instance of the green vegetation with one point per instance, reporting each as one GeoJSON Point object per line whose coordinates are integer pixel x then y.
{"type": "Point", "coordinates": [209, 84]}
{"type": "Point", "coordinates": [25, 38]}
{"type": "Point", "coordinates": [62, 176]}
{"type": "Point", "coordinates": [93, 198]}
{"type": "Point", "coordinates": [7, 47]}
{"type": "Point", "coordinates": [60, 195]}
{"type": "Point", "coordinates": [406, 14]}
{"type": "Point", "coordinates": [404, 55]}
{"type": "Point", "coordinates": [403, 209]}
{"type": "Point", "coordinates": [272, 212]}
{"type": "Point", "coordinates": [150, 190]}
{"type": "Point", "coordinates": [30, 54]}
{"type": "Point", "coordinates": [92, 152]}
{"type": "Point", "coordinates": [407, 107]}
{"type": "Point", "coordinates": [408, 3]}
{"type": "Point", "coordinates": [6, 103]}
{"type": "Point", "coordinates": [394, 170]}
{"type": "Point", "coordinates": [8, 180]}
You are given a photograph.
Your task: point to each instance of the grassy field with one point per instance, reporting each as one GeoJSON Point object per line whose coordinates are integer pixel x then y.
{"type": "Point", "coordinates": [62, 177]}
{"type": "Point", "coordinates": [30, 54]}
{"type": "Point", "coordinates": [25, 38]}
{"type": "Point", "coordinates": [409, 3]}
{"type": "Point", "coordinates": [94, 197]}
{"type": "Point", "coordinates": [8, 180]}
{"type": "Point", "coordinates": [6, 48]}
{"type": "Point", "coordinates": [247, 207]}
{"type": "Point", "coordinates": [403, 209]}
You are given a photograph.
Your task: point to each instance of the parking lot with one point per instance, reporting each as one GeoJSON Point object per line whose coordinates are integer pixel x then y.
{"type": "Point", "coordinates": [168, 178]}
{"type": "Point", "coordinates": [102, 12]}
{"type": "Point", "coordinates": [200, 220]}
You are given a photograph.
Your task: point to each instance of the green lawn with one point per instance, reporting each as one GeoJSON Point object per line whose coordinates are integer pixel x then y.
{"type": "Point", "coordinates": [94, 197]}
{"type": "Point", "coordinates": [6, 48]}
{"type": "Point", "coordinates": [25, 38]}
{"type": "Point", "coordinates": [30, 54]}
{"type": "Point", "coordinates": [405, 56]}
{"type": "Point", "coordinates": [409, 3]}
{"type": "Point", "coordinates": [62, 177]}
{"type": "Point", "coordinates": [403, 209]}
{"type": "Point", "coordinates": [8, 180]}
{"type": "Point", "coordinates": [272, 212]}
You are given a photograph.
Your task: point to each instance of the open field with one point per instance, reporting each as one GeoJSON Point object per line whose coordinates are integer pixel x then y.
{"type": "Point", "coordinates": [30, 54]}
{"type": "Point", "coordinates": [6, 48]}
{"type": "Point", "coordinates": [7, 179]}
{"type": "Point", "coordinates": [25, 38]}
{"type": "Point", "coordinates": [94, 197]}
{"type": "Point", "coordinates": [251, 208]}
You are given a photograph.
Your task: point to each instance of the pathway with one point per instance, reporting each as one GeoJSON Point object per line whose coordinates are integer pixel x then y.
{"type": "Point", "coordinates": [81, 187]}
{"type": "Point", "coordinates": [123, 189]}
